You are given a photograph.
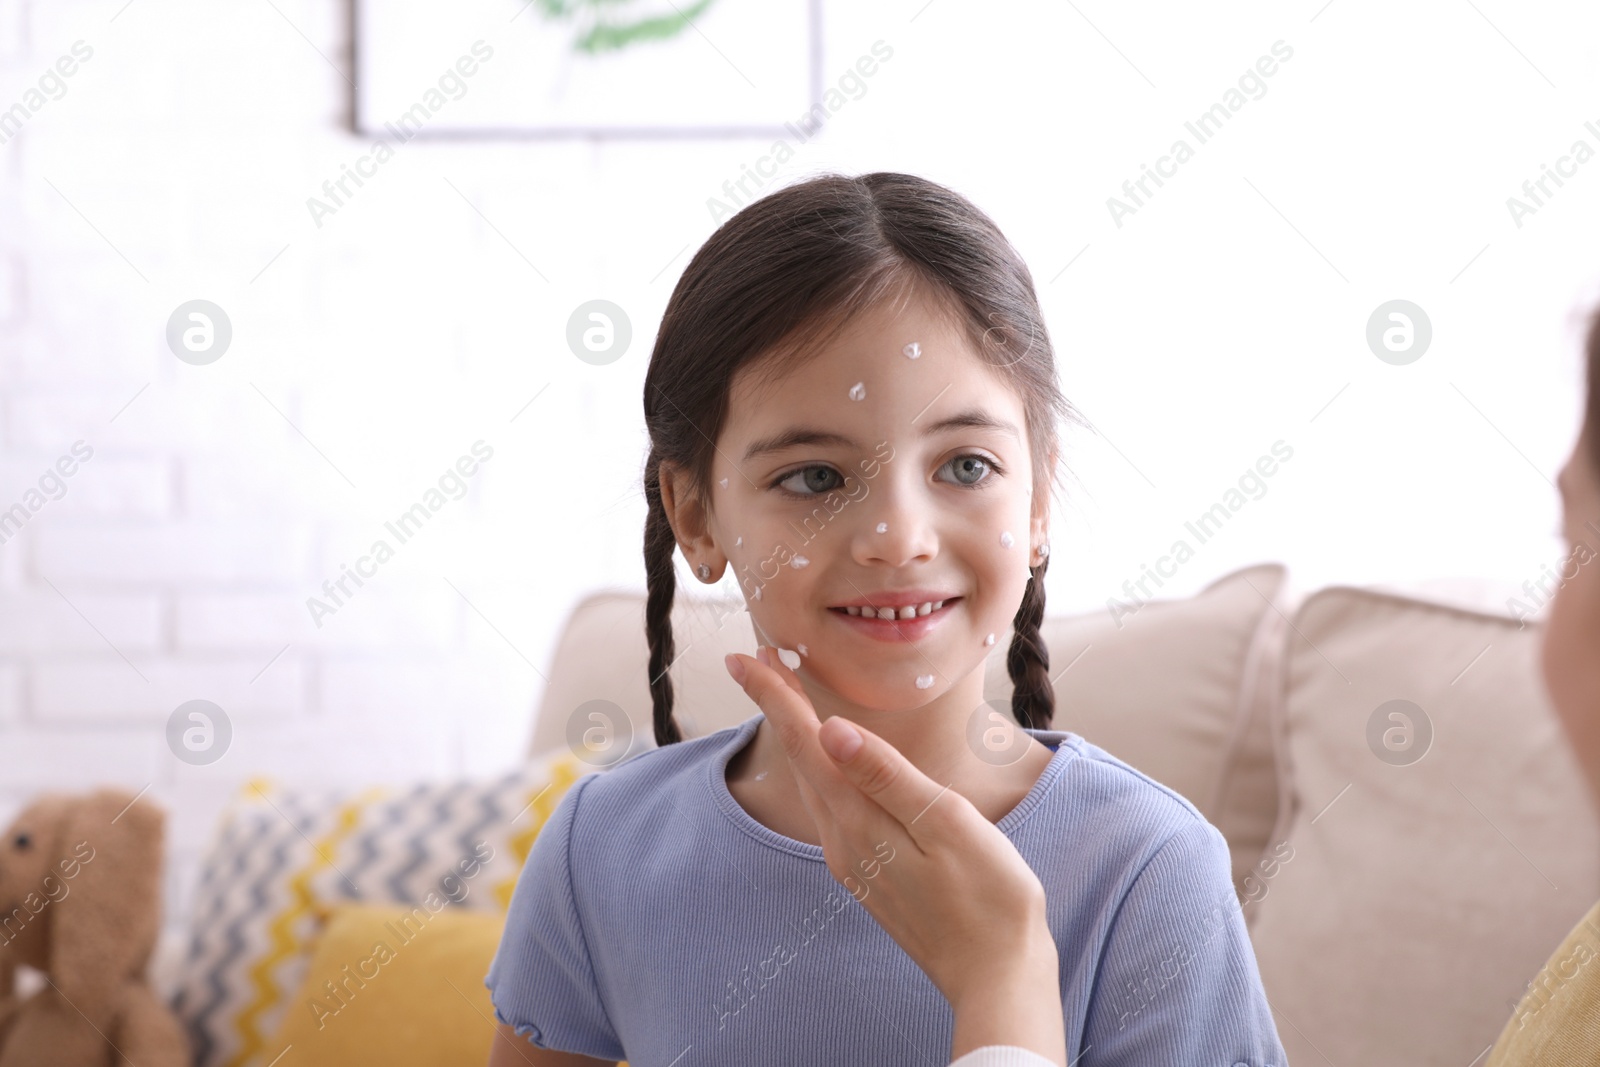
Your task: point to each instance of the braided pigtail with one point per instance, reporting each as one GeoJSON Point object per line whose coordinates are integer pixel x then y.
{"type": "Point", "coordinates": [1033, 701]}
{"type": "Point", "coordinates": [660, 584]}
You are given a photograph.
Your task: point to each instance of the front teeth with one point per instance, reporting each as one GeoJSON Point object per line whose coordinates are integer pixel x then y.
{"type": "Point", "coordinates": [908, 612]}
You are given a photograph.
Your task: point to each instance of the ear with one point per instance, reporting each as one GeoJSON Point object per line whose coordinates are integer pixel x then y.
{"type": "Point", "coordinates": [1039, 517]}
{"type": "Point", "coordinates": [690, 520]}
{"type": "Point", "coordinates": [103, 931]}
{"type": "Point", "coordinates": [27, 850]}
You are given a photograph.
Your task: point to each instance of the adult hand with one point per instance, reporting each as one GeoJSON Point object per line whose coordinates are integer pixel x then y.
{"type": "Point", "coordinates": [941, 879]}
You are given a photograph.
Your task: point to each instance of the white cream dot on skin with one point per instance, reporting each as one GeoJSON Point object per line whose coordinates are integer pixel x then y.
{"type": "Point", "coordinates": [858, 391]}
{"type": "Point", "coordinates": [758, 592]}
{"type": "Point", "coordinates": [883, 527]}
{"type": "Point", "coordinates": [1006, 540]}
{"type": "Point", "coordinates": [724, 483]}
{"type": "Point", "coordinates": [761, 776]}
{"type": "Point", "coordinates": [924, 681]}
{"type": "Point", "coordinates": [790, 658]}
{"type": "Point", "coordinates": [912, 350]}
{"type": "Point", "coordinates": [798, 562]}
{"type": "Point", "coordinates": [802, 649]}
{"type": "Point", "coordinates": [737, 541]}
{"type": "Point", "coordinates": [989, 640]}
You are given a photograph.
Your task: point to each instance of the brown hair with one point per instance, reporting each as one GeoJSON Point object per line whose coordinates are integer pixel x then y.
{"type": "Point", "coordinates": [790, 270]}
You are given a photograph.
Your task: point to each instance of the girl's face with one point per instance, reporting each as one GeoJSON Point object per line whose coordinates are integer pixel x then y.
{"type": "Point", "coordinates": [1572, 632]}
{"type": "Point", "coordinates": [868, 477]}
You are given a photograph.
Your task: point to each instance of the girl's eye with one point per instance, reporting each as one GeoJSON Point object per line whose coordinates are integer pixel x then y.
{"type": "Point", "coordinates": [973, 471]}
{"type": "Point", "coordinates": [810, 486]}
{"type": "Point", "coordinates": [975, 466]}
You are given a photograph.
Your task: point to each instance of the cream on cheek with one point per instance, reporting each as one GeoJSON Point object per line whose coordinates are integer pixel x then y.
{"type": "Point", "coordinates": [998, 547]}
{"type": "Point", "coordinates": [774, 567]}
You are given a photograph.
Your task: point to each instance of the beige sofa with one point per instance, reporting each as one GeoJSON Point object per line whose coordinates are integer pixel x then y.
{"type": "Point", "coordinates": [1410, 835]}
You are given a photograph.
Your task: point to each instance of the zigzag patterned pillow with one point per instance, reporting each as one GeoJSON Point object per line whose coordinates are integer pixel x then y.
{"type": "Point", "coordinates": [280, 858]}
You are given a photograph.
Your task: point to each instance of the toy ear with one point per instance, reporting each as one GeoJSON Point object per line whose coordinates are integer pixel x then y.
{"type": "Point", "coordinates": [104, 928]}
{"type": "Point", "coordinates": [27, 851]}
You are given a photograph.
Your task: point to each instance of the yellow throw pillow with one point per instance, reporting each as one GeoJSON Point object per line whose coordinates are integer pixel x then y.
{"type": "Point", "coordinates": [396, 986]}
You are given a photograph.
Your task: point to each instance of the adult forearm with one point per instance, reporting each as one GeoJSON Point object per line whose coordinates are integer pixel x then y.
{"type": "Point", "coordinates": [1021, 1007]}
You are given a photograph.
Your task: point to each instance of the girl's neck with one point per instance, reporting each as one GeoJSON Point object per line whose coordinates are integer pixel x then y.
{"type": "Point", "coordinates": [761, 778]}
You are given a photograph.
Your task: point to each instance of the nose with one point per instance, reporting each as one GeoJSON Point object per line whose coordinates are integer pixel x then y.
{"type": "Point", "coordinates": [896, 525]}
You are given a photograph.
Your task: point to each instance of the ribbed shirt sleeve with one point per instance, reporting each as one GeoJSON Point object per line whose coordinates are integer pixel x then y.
{"type": "Point", "coordinates": [1002, 1056]}
{"type": "Point", "coordinates": [542, 980]}
{"type": "Point", "coordinates": [1178, 982]}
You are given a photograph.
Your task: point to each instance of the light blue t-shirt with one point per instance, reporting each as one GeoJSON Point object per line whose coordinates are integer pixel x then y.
{"type": "Point", "coordinates": [656, 921]}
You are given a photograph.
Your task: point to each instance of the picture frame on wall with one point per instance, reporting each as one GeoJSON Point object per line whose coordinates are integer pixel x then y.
{"type": "Point", "coordinates": [569, 68]}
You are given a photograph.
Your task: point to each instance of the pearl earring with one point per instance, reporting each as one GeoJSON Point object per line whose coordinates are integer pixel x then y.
{"type": "Point", "coordinates": [1044, 551]}
{"type": "Point", "coordinates": [704, 572]}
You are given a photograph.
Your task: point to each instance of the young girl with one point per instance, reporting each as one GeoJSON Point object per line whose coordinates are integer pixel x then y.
{"type": "Point", "coordinates": [853, 408]}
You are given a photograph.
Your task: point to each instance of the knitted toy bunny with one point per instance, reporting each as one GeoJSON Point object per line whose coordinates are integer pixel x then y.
{"type": "Point", "coordinates": [80, 900]}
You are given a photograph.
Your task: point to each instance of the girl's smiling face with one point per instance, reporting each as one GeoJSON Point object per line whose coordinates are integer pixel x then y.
{"type": "Point", "coordinates": [891, 467]}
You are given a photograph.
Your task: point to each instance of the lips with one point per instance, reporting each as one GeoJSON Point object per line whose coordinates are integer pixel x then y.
{"type": "Point", "coordinates": [906, 610]}
{"type": "Point", "coordinates": [897, 629]}
{"type": "Point", "coordinates": [913, 596]}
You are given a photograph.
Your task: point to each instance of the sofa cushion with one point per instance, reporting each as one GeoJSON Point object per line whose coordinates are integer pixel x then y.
{"type": "Point", "coordinates": [1442, 841]}
{"type": "Point", "coordinates": [392, 985]}
{"type": "Point", "coordinates": [1184, 689]}
{"type": "Point", "coordinates": [280, 857]}
{"type": "Point", "coordinates": [600, 672]}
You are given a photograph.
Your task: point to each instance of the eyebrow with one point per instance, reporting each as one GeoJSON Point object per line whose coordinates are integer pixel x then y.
{"type": "Point", "coordinates": [971, 419]}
